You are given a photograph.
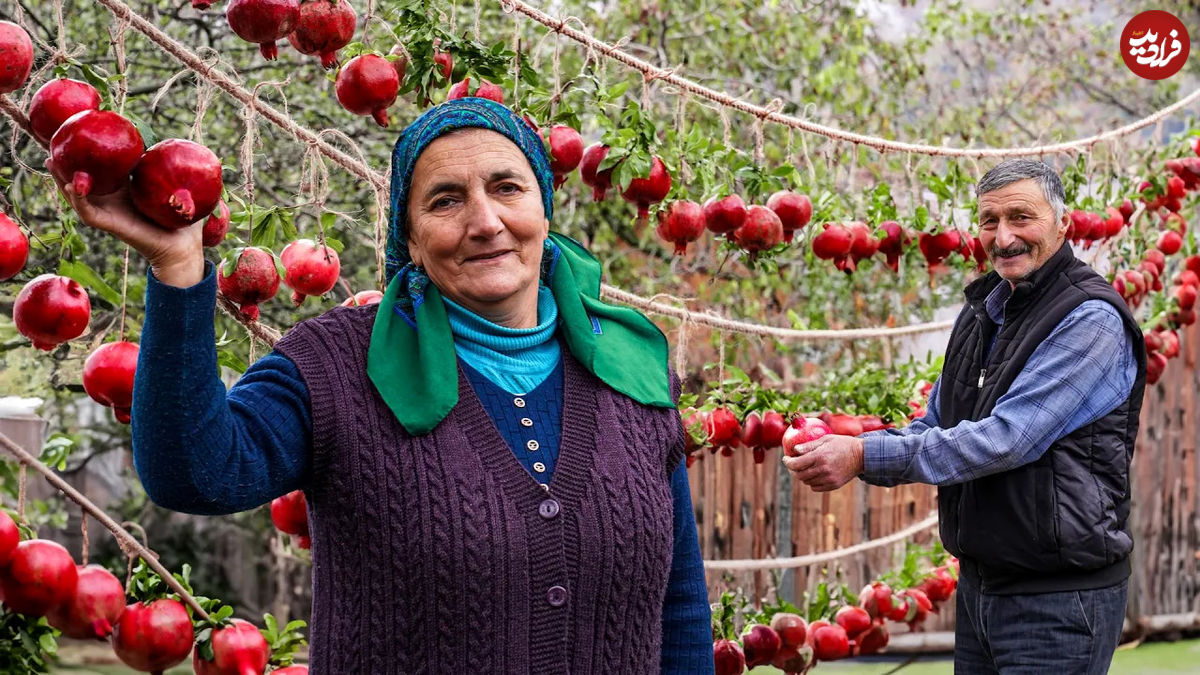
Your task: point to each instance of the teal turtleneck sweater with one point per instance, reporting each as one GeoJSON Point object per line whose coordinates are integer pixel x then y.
{"type": "Point", "coordinates": [516, 359]}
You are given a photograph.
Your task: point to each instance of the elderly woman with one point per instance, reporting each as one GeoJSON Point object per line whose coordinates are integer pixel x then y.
{"type": "Point", "coordinates": [491, 455]}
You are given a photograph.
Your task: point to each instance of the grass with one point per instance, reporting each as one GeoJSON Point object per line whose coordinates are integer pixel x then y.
{"type": "Point", "coordinates": [1157, 658]}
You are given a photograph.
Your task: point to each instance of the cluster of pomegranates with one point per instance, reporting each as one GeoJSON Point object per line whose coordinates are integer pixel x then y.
{"type": "Point", "coordinates": [794, 646]}
{"type": "Point", "coordinates": [753, 228]}
{"type": "Point", "coordinates": [251, 275]}
{"type": "Point", "coordinates": [720, 430]}
{"type": "Point", "coordinates": [39, 578]}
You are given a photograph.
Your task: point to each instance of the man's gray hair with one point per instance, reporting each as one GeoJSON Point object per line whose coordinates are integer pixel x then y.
{"type": "Point", "coordinates": [1012, 170]}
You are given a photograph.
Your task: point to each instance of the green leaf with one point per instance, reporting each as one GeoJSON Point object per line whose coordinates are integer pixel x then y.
{"type": "Point", "coordinates": [85, 275]}
{"type": "Point", "coordinates": [231, 360]}
{"type": "Point", "coordinates": [335, 244]}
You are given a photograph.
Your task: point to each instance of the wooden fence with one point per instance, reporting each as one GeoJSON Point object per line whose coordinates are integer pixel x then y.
{"type": "Point", "coordinates": [747, 511]}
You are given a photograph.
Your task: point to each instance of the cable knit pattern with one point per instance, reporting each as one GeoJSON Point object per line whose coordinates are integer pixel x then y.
{"type": "Point", "coordinates": [451, 531]}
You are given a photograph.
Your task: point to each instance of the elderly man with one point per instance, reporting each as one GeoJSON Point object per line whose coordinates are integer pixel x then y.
{"type": "Point", "coordinates": [1028, 435]}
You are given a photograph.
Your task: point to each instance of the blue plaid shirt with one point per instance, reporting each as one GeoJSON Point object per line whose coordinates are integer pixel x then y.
{"type": "Point", "coordinates": [1080, 373]}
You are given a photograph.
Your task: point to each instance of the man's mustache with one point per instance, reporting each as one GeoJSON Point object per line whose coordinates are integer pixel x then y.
{"type": "Point", "coordinates": [1011, 251]}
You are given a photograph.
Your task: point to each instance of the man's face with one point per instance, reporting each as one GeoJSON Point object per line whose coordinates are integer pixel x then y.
{"type": "Point", "coordinates": [1018, 229]}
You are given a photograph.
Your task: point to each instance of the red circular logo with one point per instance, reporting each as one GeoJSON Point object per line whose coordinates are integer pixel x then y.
{"type": "Point", "coordinates": [1155, 44]}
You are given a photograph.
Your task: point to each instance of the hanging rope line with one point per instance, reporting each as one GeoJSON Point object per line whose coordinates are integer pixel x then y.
{"type": "Point", "coordinates": [719, 323]}
{"type": "Point", "coordinates": [750, 565]}
{"type": "Point", "coordinates": [651, 72]}
{"type": "Point", "coordinates": [126, 540]}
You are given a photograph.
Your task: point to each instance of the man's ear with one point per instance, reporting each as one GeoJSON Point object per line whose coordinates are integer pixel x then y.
{"type": "Point", "coordinates": [1065, 223]}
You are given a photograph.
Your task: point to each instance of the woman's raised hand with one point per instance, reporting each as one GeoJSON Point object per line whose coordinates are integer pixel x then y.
{"type": "Point", "coordinates": [176, 257]}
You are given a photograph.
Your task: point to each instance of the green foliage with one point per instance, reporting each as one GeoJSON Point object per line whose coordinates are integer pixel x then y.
{"type": "Point", "coordinates": [27, 645]}
{"type": "Point", "coordinates": [284, 641]}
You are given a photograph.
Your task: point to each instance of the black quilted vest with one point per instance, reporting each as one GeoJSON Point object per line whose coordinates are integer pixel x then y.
{"type": "Point", "coordinates": [1059, 523]}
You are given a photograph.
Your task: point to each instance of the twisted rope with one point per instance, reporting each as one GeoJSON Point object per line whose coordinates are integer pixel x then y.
{"type": "Point", "coordinates": [819, 558]}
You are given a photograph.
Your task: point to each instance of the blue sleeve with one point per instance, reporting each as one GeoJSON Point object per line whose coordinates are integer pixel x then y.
{"type": "Point", "coordinates": [687, 618]}
{"type": "Point", "coordinates": [1081, 372]}
{"type": "Point", "coordinates": [197, 448]}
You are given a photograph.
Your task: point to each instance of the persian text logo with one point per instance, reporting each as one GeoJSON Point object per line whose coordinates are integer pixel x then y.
{"type": "Point", "coordinates": [1155, 44]}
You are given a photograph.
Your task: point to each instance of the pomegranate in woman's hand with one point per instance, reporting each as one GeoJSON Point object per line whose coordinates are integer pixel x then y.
{"type": "Point", "coordinates": [151, 637]}
{"type": "Point", "coordinates": [39, 577]}
{"type": "Point", "coordinates": [176, 183]}
{"type": "Point", "coordinates": [108, 377]}
{"type": "Point", "coordinates": [239, 649]}
{"type": "Point", "coordinates": [368, 85]}
{"type": "Point", "coordinates": [16, 57]}
{"type": "Point", "coordinates": [95, 151]}
{"type": "Point", "coordinates": [51, 310]}
{"type": "Point", "coordinates": [322, 28]}
{"type": "Point", "coordinates": [263, 22]}
{"type": "Point", "coordinates": [56, 102]}
{"type": "Point", "coordinates": [94, 608]}
{"type": "Point", "coordinates": [252, 280]}
{"type": "Point", "coordinates": [14, 248]}
{"type": "Point", "coordinates": [310, 269]}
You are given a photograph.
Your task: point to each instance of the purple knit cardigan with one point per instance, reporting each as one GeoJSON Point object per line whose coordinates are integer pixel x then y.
{"type": "Point", "coordinates": [441, 554]}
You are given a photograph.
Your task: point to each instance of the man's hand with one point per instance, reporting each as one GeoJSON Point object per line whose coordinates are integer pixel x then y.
{"type": "Point", "coordinates": [827, 463]}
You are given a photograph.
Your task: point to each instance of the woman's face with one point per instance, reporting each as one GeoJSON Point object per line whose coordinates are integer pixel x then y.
{"type": "Point", "coordinates": [476, 224]}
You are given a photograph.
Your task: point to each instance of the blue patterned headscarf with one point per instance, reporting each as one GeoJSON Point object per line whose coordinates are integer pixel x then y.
{"type": "Point", "coordinates": [462, 113]}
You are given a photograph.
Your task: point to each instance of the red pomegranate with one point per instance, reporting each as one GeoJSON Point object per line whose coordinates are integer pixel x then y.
{"type": "Point", "coordinates": [263, 22]}
{"type": "Point", "coordinates": [51, 310]}
{"type": "Point", "coordinates": [201, 4]}
{"type": "Point", "coordinates": [843, 424]}
{"type": "Point", "coordinates": [600, 181]}
{"type": "Point", "coordinates": [722, 428]}
{"type": "Point", "coordinates": [40, 576]}
{"type": "Point", "coordinates": [873, 639]}
{"type": "Point", "coordinates": [176, 183]}
{"type": "Point", "coordinates": [1114, 222]}
{"type": "Point", "coordinates": [681, 223]}
{"type": "Point", "coordinates": [239, 649]}
{"type": "Point", "coordinates": [773, 428]}
{"type": "Point", "coordinates": [876, 599]}
{"type": "Point", "coordinates": [853, 620]}
{"type": "Point", "coordinates": [794, 211]}
{"type": "Point", "coordinates": [95, 607]}
{"type": "Point", "coordinates": [362, 299]}
{"type": "Point", "coordinates": [323, 27]}
{"type": "Point", "coordinates": [760, 644]}
{"type": "Point", "coordinates": [16, 57]}
{"type": "Point", "coordinates": [56, 102]}
{"type": "Point", "coordinates": [108, 377]}
{"type": "Point", "coordinates": [217, 225]}
{"type": "Point", "coordinates": [793, 660]}
{"type": "Point", "coordinates": [802, 430]}
{"type": "Point", "coordinates": [95, 151]}
{"type": "Point", "coordinates": [762, 230]}
{"type": "Point", "coordinates": [830, 643]}
{"type": "Point", "coordinates": [834, 241]}
{"type": "Point", "coordinates": [14, 248]}
{"type": "Point", "coordinates": [649, 190]}
{"type": "Point", "coordinates": [724, 215]}
{"type": "Point", "coordinates": [893, 242]}
{"type": "Point", "coordinates": [460, 89]}
{"type": "Point", "coordinates": [290, 513]}
{"type": "Point", "coordinates": [151, 637]}
{"type": "Point", "coordinates": [368, 85]}
{"type": "Point", "coordinates": [566, 151]}
{"type": "Point", "coordinates": [10, 536]}
{"type": "Point", "coordinates": [791, 629]}
{"type": "Point", "coordinates": [445, 63]}
{"type": "Point", "coordinates": [310, 269]}
{"type": "Point", "coordinates": [728, 658]}
{"type": "Point", "coordinates": [252, 280]}
{"type": "Point", "coordinates": [399, 61]}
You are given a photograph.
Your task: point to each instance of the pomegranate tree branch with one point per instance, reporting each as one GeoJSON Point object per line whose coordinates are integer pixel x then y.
{"type": "Point", "coordinates": [653, 72]}
{"type": "Point", "coordinates": [127, 541]}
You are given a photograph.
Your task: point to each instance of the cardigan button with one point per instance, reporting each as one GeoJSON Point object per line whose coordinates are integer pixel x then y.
{"type": "Point", "coordinates": [533, 445]}
{"type": "Point", "coordinates": [539, 467]}
{"type": "Point", "coordinates": [556, 596]}
{"type": "Point", "coordinates": [548, 509]}
{"type": "Point", "coordinates": [519, 402]}
{"type": "Point", "coordinates": [526, 422]}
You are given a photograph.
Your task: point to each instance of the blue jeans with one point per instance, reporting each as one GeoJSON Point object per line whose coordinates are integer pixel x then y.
{"type": "Point", "coordinates": [1067, 633]}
